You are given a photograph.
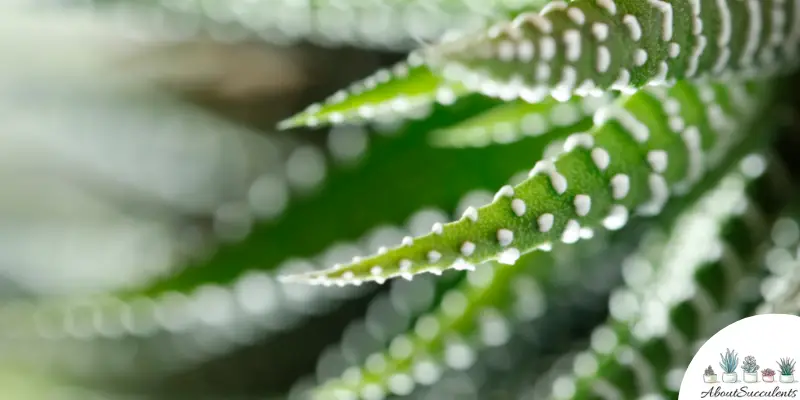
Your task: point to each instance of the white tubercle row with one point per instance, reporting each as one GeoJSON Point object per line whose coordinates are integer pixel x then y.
{"type": "Point", "coordinates": [413, 104]}
{"type": "Point", "coordinates": [382, 371]}
{"type": "Point", "coordinates": [474, 133]}
{"type": "Point", "coordinates": [656, 281]}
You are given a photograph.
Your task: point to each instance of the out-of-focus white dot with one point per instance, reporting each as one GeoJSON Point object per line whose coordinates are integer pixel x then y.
{"type": "Point", "coordinates": [330, 364]}
{"type": "Point", "coordinates": [401, 348]}
{"type": "Point", "coordinates": [426, 372]}
{"type": "Point", "coordinates": [141, 321]}
{"type": "Point", "coordinates": [530, 300]}
{"type": "Point", "coordinates": [298, 295]}
{"type": "Point", "coordinates": [564, 387]}
{"type": "Point", "coordinates": [352, 376]}
{"type": "Point", "coordinates": [753, 165]}
{"type": "Point", "coordinates": [673, 379]}
{"type": "Point", "coordinates": [213, 305]}
{"type": "Point", "coordinates": [413, 297]}
{"type": "Point", "coordinates": [375, 363]}
{"type": "Point", "coordinates": [372, 391]}
{"type": "Point", "coordinates": [383, 320]}
{"type": "Point", "coordinates": [427, 327]}
{"type": "Point", "coordinates": [585, 364]}
{"type": "Point", "coordinates": [779, 261]}
{"type": "Point", "coordinates": [305, 168]}
{"type": "Point", "coordinates": [482, 275]}
{"type": "Point", "coordinates": [256, 293]}
{"type": "Point", "coordinates": [80, 321]}
{"type": "Point", "coordinates": [495, 330]}
{"type": "Point", "coordinates": [625, 355]}
{"type": "Point", "coordinates": [268, 196]}
{"type": "Point", "coordinates": [637, 271]}
{"type": "Point", "coordinates": [604, 340]}
{"type": "Point", "coordinates": [233, 221]}
{"type": "Point", "coordinates": [459, 356]}
{"type": "Point", "coordinates": [785, 232]}
{"type": "Point", "coordinates": [172, 311]}
{"type": "Point", "coordinates": [347, 143]}
{"type": "Point", "coordinates": [401, 384]}
{"type": "Point", "coordinates": [623, 305]}
{"type": "Point", "coordinates": [344, 394]}
{"type": "Point", "coordinates": [773, 287]}
{"type": "Point", "coordinates": [110, 322]}
{"type": "Point", "coordinates": [454, 303]}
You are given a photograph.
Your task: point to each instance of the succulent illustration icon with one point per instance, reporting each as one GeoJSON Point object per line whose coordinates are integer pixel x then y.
{"type": "Point", "coordinates": [768, 375]}
{"type": "Point", "coordinates": [709, 376]}
{"type": "Point", "coordinates": [786, 366]}
{"type": "Point", "coordinates": [750, 368]}
{"type": "Point", "coordinates": [729, 362]}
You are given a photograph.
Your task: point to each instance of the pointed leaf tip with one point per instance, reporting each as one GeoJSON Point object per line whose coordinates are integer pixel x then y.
{"type": "Point", "coordinates": [598, 181]}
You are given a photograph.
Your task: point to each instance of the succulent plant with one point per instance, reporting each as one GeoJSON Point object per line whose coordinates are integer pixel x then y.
{"type": "Point", "coordinates": [786, 366]}
{"type": "Point", "coordinates": [729, 361]}
{"type": "Point", "coordinates": [749, 365]}
{"type": "Point", "coordinates": [599, 125]}
{"type": "Point", "coordinates": [709, 371]}
{"type": "Point", "coordinates": [768, 372]}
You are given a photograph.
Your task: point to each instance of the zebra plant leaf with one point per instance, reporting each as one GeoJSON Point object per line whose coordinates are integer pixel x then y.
{"type": "Point", "coordinates": [588, 46]}
{"type": "Point", "coordinates": [642, 149]}
{"type": "Point", "coordinates": [635, 351]}
{"type": "Point", "coordinates": [515, 120]}
{"type": "Point", "coordinates": [483, 307]}
{"type": "Point", "coordinates": [390, 92]}
{"type": "Point", "coordinates": [393, 92]}
{"type": "Point", "coordinates": [478, 312]}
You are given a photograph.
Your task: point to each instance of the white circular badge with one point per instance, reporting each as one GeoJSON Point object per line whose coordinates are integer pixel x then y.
{"type": "Point", "coordinates": [754, 358]}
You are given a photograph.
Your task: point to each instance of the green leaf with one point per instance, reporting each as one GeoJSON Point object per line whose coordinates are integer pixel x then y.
{"type": "Point", "coordinates": [397, 92]}
{"type": "Point", "coordinates": [480, 311]}
{"type": "Point", "coordinates": [494, 298]}
{"type": "Point", "coordinates": [284, 243]}
{"type": "Point", "coordinates": [516, 120]}
{"type": "Point", "coordinates": [401, 91]}
{"type": "Point", "coordinates": [631, 353]}
{"type": "Point", "coordinates": [643, 148]}
{"type": "Point", "coordinates": [590, 46]}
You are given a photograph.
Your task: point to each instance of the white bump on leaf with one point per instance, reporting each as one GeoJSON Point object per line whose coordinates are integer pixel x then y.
{"type": "Point", "coordinates": [505, 237]}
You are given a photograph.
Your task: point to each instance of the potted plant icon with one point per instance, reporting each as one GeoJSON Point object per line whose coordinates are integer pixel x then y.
{"type": "Point", "coordinates": [786, 366]}
{"type": "Point", "coordinates": [768, 375]}
{"type": "Point", "coordinates": [709, 376]}
{"type": "Point", "coordinates": [750, 369]}
{"type": "Point", "coordinates": [729, 362]}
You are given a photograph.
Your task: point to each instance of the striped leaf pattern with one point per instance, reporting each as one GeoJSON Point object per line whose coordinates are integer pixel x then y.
{"type": "Point", "coordinates": [590, 46]}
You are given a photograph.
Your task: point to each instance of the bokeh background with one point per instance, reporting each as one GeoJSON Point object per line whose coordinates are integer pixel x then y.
{"type": "Point", "coordinates": [138, 150]}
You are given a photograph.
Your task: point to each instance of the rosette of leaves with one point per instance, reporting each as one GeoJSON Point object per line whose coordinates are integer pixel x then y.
{"type": "Point", "coordinates": [749, 365]}
{"type": "Point", "coordinates": [709, 371]}
{"type": "Point", "coordinates": [729, 361]}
